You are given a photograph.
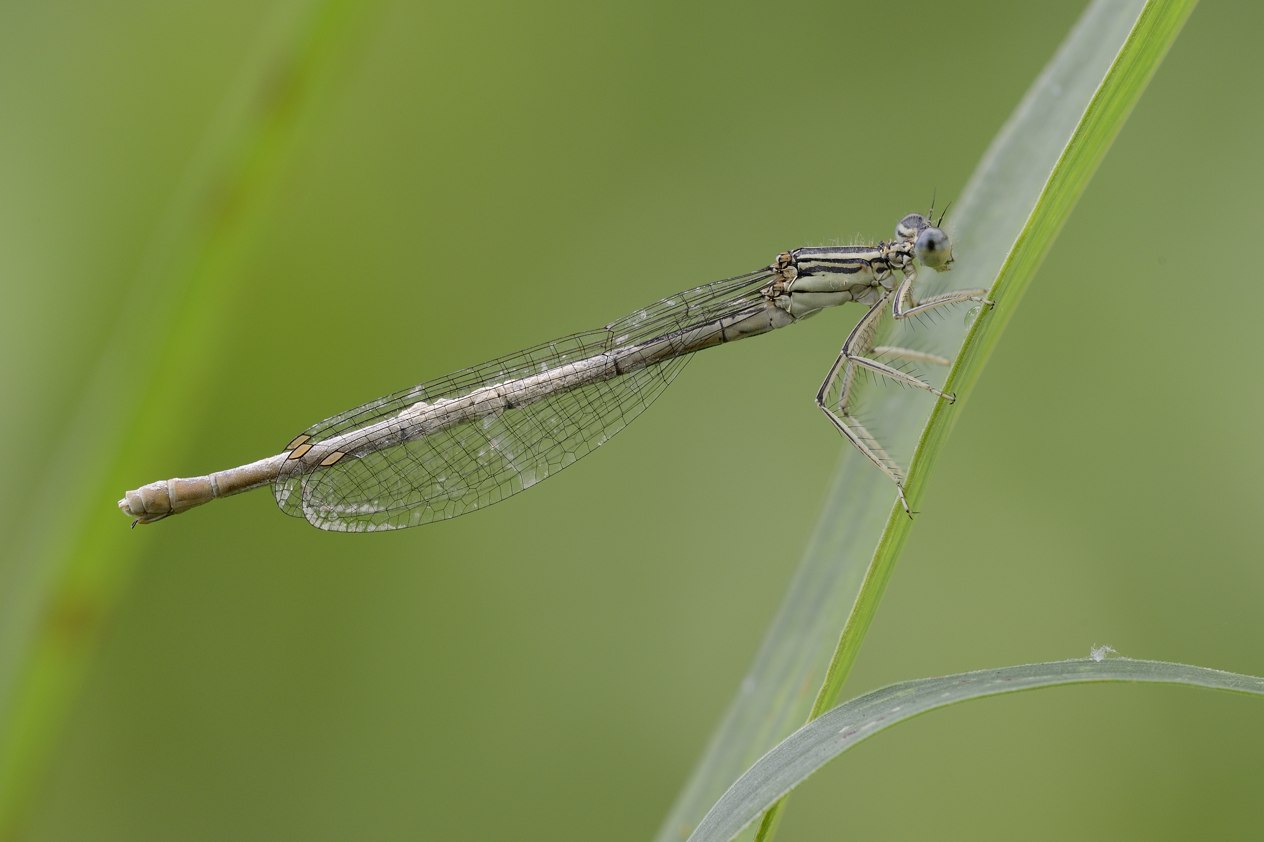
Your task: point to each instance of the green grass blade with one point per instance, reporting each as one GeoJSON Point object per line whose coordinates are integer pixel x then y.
{"type": "Point", "coordinates": [1002, 226]}
{"type": "Point", "coordinates": [77, 560]}
{"type": "Point", "coordinates": [1147, 43]}
{"type": "Point", "coordinates": [1155, 31]}
{"type": "Point", "coordinates": [843, 727]}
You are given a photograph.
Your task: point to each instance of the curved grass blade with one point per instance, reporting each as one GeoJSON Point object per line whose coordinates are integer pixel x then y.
{"type": "Point", "coordinates": [837, 730]}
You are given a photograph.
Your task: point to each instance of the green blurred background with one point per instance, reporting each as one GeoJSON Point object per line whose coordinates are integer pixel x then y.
{"type": "Point", "coordinates": [432, 185]}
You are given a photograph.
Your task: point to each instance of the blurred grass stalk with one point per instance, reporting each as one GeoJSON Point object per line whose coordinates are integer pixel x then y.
{"type": "Point", "coordinates": [77, 558]}
{"type": "Point", "coordinates": [1003, 226]}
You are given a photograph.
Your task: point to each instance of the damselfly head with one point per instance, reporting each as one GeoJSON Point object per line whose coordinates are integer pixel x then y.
{"type": "Point", "coordinates": [931, 245]}
{"type": "Point", "coordinates": [933, 249]}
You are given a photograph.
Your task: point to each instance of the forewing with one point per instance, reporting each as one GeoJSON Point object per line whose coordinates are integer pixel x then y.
{"type": "Point", "coordinates": [474, 464]}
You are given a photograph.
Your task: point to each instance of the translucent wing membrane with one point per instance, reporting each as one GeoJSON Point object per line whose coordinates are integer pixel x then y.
{"type": "Point", "coordinates": [370, 469]}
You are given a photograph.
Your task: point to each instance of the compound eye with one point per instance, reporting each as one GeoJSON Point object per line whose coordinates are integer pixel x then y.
{"type": "Point", "coordinates": [909, 226]}
{"type": "Point", "coordinates": [933, 249]}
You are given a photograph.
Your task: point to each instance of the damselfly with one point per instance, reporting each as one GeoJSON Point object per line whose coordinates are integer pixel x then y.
{"type": "Point", "coordinates": [473, 438]}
